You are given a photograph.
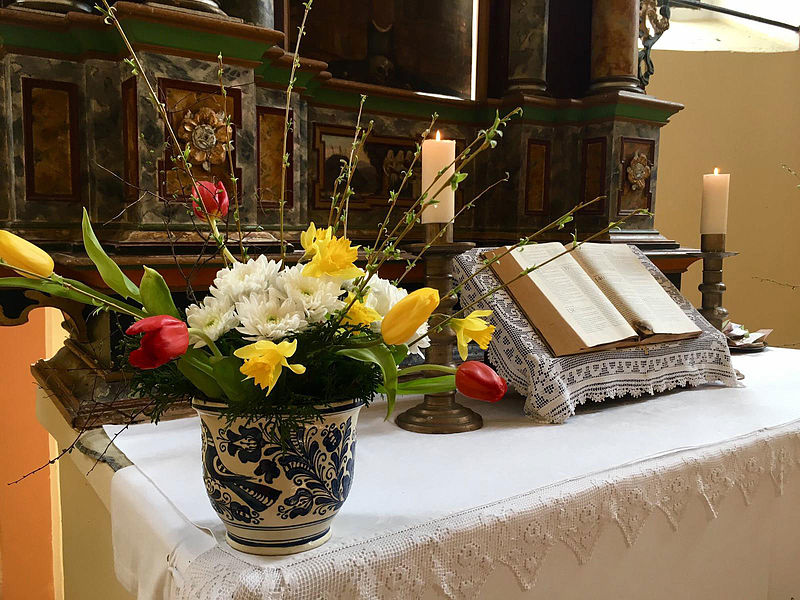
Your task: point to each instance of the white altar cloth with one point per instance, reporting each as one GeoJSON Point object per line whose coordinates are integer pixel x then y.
{"type": "Point", "coordinates": [504, 512]}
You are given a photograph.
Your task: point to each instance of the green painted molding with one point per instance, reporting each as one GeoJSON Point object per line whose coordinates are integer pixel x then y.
{"type": "Point", "coordinates": [74, 38]}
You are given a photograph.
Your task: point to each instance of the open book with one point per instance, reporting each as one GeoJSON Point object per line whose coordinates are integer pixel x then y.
{"type": "Point", "coordinates": [598, 297]}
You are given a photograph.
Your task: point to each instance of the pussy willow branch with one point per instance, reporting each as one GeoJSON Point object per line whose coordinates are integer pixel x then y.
{"type": "Point", "coordinates": [229, 151]}
{"type": "Point", "coordinates": [468, 206]}
{"type": "Point", "coordinates": [395, 194]}
{"type": "Point", "coordinates": [352, 164]}
{"type": "Point", "coordinates": [344, 169]}
{"type": "Point", "coordinates": [526, 272]}
{"type": "Point", "coordinates": [486, 139]}
{"type": "Point", "coordinates": [301, 31]}
{"type": "Point", "coordinates": [111, 19]}
{"type": "Point", "coordinates": [527, 240]}
{"type": "Point", "coordinates": [410, 216]}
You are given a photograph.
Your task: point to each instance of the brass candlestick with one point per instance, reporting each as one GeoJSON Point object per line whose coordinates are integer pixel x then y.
{"type": "Point", "coordinates": [440, 413]}
{"type": "Point", "coordinates": [712, 245]}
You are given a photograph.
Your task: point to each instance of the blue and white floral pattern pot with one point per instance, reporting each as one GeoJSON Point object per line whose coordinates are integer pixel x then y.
{"type": "Point", "coordinates": [276, 500]}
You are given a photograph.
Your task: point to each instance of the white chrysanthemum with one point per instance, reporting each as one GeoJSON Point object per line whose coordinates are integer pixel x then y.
{"type": "Point", "coordinates": [243, 279]}
{"type": "Point", "coordinates": [319, 297]}
{"type": "Point", "coordinates": [269, 316]}
{"type": "Point", "coordinates": [381, 297]}
{"type": "Point", "coordinates": [213, 316]}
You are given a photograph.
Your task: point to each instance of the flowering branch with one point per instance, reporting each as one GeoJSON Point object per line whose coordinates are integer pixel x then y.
{"type": "Point", "coordinates": [287, 124]}
{"type": "Point", "coordinates": [229, 150]}
{"type": "Point", "coordinates": [525, 272]}
{"type": "Point", "coordinates": [527, 240]}
{"type": "Point", "coordinates": [395, 194]}
{"type": "Point", "coordinates": [468, 206]}
{"type": "Point", "coordinates": [110, 18]}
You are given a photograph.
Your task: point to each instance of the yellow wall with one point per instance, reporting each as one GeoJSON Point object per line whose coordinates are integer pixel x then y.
{"type": "Point", "coordinates": [743, 115]}
{"type": "Point", "coordinates": [26, 555]}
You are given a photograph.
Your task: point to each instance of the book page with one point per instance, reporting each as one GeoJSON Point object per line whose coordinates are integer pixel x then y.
{"type": "Point", "coordinates": [633, 290]}
{"type": "Point", "coordinates": [574, 295]}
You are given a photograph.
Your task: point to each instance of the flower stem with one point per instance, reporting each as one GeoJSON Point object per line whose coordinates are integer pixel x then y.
{"type": "Point", "coordinates": [211, 345]}
{"type": "Point", "coordinates": [426, 367]}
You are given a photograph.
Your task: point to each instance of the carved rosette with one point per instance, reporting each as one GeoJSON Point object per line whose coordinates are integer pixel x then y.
{"type": "Point", "coordinates": [207, 135]}
{"type": "Point", "coordinates": [639, 171]}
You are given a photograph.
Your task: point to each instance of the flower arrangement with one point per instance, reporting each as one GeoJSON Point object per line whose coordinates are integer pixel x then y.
{"type": "Point", "coordinates": [275, 339]}
{"type": "Point", "coordinates": [280, 344]}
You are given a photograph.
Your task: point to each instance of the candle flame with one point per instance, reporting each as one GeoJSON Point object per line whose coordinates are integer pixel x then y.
{"type": "Point", "coordinates": [438, 134]}
{"type": "Point", "coordinates": [716, 171]}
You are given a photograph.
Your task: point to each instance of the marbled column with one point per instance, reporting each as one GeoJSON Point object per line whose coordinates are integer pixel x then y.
{"type": "Point", "coordinates": [527, 46]}
{"type": "Point", "coordinates": [615, 34]}
{"type": "Point", "coordinates": [257, 12]}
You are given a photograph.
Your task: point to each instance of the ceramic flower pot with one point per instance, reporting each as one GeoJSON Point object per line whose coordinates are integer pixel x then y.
{"type": "Point", "coordinates": [276, 500]}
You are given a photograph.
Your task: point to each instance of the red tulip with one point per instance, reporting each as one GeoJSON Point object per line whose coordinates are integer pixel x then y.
{"type": "Point", "coordinates": [213, 196]}
{"type": "Point", "coordinates": [477, 380]}
{"type": "Point", "coordinates": [164, 338]}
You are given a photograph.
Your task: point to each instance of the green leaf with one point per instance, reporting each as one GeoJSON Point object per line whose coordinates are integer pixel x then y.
{"type": "Point", "coordinates": [383, 357]}
{"type": "Point", "coordinates": [399, 352]}
{"type": "Point", "coordinates": [428, 385]}
{"type": "Point", "coordinates": [108, 269]}
{"type": "Point", "coordinates": [156, 297]}
{"type": "Point", "coordinates": [48, 287]}
{"type": "Point", "coordinates": [230, 378]}
{"type": "Point", "coordinates": [195, 367]}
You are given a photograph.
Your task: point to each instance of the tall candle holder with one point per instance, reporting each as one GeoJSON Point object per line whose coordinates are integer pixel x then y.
{"type": "Point", "coordinates": [712, 246]}
{"type": "Point", "coordinates": [440, 413]}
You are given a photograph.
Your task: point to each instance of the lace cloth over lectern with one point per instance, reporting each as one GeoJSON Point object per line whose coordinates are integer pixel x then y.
{"type": "Point", "coordinates": [554, 386]}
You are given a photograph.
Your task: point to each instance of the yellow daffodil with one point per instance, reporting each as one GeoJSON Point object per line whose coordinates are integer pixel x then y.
{"type": "Point", "coordinates": [311, 236]}
{"type": "Point", "coordinates": [264, 360]}
{"type": "Point", "coordinates": [472, 329]}
{"type": "Point", "coordinates": [405, 317]}
{"type": "Point", "coordinates": [359, 313]}
{"type": "Point", "coordinates": [21, 253]}
{"type": "Point", "coordinates": [334, 256]}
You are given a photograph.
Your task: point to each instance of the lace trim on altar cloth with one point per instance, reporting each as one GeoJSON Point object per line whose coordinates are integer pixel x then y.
{"type": "Point", "coordinates": [553, 387]}
{"type": "Point", "coordinates": [456, 554]}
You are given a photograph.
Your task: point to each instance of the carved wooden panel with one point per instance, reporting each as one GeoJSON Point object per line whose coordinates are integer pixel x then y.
{"type": "Point", "coordinates": [380, 167]}
{"type": "Point", "coordinates": [633, 196]}
{"type": "Point", "coordinates": [537, 177]}
{"type": "Point", "coordinates": [270, 148]}
{"type": "Point", "coordinates": [130, 138]}
{"type": "Point", "coordinates": [50, 130]}
{"type": "Point", "coordinates": [594, 174]}
{"type": "Point", "coordinates": [197, 114]}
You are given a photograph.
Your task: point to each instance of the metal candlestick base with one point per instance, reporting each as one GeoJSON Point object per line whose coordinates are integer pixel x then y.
{"type": "Point", "coordinates": [440, 413]}
{"type": "Point", "coordinates": [712, 245]}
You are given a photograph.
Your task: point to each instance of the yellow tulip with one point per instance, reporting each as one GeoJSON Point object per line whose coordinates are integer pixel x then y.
{"type": "Point", "coordinates": [311, 236]}
{"type": "Point", "coordinates": [333, 257]}
{"type": "Point", "coordinates": [264, 361]}
{"type": "Point", "coordinates": [359, 313]}
{"type": "Point", "coordinates": [472, 329]}
{"type": "Point", "coordinates": [405, 317]}
{"type": "Point", "coordinates": [21, 253]}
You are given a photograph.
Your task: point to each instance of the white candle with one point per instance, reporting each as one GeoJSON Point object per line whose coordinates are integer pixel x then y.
{"type": "Point", "coordinates": [436, 155]}
{"type": "Point", "coordinates": [714, 215]}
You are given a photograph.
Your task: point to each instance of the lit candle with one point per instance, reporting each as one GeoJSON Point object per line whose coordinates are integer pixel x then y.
{"type": "Point", "coordinates": [714, 215]}
{"type": "Point", "coordinates": [436, 155]}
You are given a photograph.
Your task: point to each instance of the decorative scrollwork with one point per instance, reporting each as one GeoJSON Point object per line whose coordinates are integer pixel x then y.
{"type": "Point", "coordinates": [653, 22]}
{"type": "Point", "coordinates": [638, 171]}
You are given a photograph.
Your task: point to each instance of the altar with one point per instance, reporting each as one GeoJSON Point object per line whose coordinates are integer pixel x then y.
{"type": "Point", "coordinates": [689, 494]}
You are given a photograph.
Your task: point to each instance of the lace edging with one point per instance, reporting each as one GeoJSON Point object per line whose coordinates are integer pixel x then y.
{"type": "Point", "coordinates": [456, 554]}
